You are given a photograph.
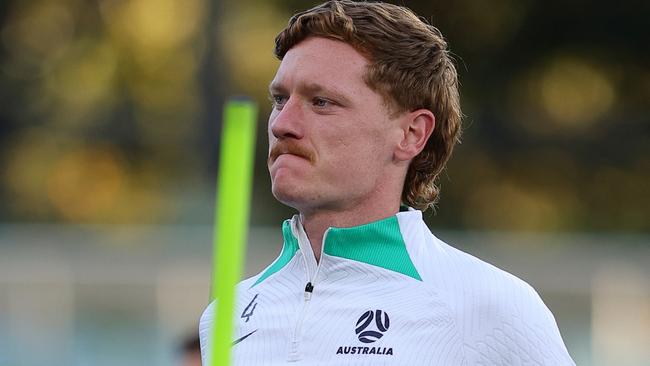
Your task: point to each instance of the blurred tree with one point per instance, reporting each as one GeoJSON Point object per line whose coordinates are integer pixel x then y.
{"type": "Point", "coordinates": [110, 110]}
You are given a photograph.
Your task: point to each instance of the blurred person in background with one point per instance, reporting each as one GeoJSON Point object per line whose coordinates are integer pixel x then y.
{"type": "Point", "coordinates": [190, 352]}
{"type": "Point", "coordinates": [366, 113]}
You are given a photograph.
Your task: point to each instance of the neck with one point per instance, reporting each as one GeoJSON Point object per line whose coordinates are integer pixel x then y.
{"type": "Point", "coordinates": [317, 222]}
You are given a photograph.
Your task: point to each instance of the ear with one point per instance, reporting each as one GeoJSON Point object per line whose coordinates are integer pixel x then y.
{"type": "Point", "coordinates": [417, 127]}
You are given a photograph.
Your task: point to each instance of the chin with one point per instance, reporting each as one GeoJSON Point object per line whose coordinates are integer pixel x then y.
{"type": "Point", "coordinates": [288, 196]}
{"type": "Point", "coordinates": [285, 185]}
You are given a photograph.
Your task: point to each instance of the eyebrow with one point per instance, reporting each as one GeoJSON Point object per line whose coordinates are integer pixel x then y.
{"type": "Point", "coordinates": [276, 87]}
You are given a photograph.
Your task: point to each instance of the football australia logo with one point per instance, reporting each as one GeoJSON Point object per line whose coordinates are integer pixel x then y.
{"type": "Point", "coordinates": [370, 335]}
{"type": "Point", "coordinates": [370, 327]}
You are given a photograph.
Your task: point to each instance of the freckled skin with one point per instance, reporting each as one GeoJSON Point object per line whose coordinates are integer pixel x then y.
{"type": "Point", "coordinates": [344, 123]}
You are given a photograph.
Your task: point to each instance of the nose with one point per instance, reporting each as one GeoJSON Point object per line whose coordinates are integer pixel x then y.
{"type": "Point", "coordinates": [288, 121]}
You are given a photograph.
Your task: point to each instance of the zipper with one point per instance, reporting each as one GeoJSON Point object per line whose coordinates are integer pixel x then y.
{"type": "Point", "coordinates": [294, 353]}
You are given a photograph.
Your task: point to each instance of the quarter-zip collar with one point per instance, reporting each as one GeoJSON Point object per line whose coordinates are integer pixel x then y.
{"type": "Point", "coordinates": [378, 243]}
{"type": "Point", "coordinates": [298, 231]}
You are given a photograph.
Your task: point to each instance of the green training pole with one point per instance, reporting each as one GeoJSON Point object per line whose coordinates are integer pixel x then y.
{"type": "Point", "coordinates": [231, 219]}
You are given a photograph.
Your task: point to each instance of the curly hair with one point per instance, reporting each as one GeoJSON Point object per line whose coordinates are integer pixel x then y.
{"type": "Point", "coordinates": [409, 65]}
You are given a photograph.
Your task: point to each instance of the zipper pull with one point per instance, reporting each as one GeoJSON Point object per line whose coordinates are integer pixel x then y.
{"type": "Point", "coordinates": [308, 291]}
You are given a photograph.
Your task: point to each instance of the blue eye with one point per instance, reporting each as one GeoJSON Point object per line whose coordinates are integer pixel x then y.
{"type": "Point", "coordinates": [278, 101]}
{"type": "Point", "coordinates": [320, 102]}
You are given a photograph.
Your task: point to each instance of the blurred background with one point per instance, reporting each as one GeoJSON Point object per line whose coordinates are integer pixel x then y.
{"type": "Point", "coordinates": [110, 112]}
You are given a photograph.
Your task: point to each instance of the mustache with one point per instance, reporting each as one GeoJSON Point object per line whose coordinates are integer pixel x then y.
{"type": "Point", "coordinates": [290, 147]}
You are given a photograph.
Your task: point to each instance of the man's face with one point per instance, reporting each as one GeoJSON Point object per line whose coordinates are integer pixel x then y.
{"type": "Point", "coordinates": [330, 136]}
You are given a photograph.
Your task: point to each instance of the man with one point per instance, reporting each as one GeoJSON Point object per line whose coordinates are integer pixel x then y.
{"type": "Point", "coordinates": [365, 115]}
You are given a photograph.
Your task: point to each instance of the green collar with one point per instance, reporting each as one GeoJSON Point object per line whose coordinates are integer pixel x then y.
{"type": "Point", "coordinates": [379, 243]}
{"type": "Point", "coordinates": [289, 248]}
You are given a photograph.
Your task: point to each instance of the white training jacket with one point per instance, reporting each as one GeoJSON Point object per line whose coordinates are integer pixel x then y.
{"type": "Point", "coordinates": [386, 293]}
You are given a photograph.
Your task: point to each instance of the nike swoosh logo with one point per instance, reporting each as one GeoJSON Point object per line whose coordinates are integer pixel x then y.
{"type": "Point", "coordinates": [244, 337]}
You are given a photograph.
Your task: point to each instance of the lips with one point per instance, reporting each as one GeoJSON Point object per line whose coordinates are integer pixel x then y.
{"type": "Point", "coordinates": [290, 154]}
